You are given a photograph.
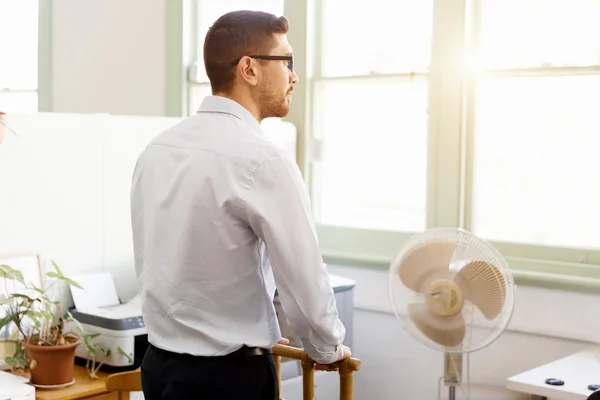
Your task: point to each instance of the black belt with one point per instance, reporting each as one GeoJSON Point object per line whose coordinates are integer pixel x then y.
{"type": "Point", "coordinates": [251, 351]}
{"type": "Point", "coordinates": [243, 351]}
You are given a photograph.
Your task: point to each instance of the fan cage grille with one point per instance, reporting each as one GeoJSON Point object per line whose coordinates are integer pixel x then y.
{"type": "Point", "coordinates": [480, 332]}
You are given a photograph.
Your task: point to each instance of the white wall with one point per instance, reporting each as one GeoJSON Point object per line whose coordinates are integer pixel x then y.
{"type": "Point", "coordinates": [547, 324]}
{"type": "Point", "coordinates": [108, 56]}
{"type": "Point", "coordinates": [65, 189]}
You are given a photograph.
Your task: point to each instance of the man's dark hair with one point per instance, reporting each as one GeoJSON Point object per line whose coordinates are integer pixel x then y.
{"type": "Point", "coordinates": [235, 35]}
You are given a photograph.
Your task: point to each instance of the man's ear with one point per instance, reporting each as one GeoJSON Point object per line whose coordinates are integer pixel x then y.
{"type": "Point", "coordinates": [247, 70]}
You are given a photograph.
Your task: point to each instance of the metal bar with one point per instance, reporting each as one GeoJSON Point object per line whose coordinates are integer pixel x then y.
{"type": "Point", "coordinates": [452, 393]}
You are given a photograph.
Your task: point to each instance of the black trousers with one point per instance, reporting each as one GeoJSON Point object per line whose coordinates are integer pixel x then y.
{"type": "Point", "coordinates": [172, 376]}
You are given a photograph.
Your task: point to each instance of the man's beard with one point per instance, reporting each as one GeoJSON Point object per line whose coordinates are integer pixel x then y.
{"type": "Point", "coordinates": [272, 105]}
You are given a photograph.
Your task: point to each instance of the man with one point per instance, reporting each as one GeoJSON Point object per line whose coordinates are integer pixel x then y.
{"type": "Point", "coordinates": [221, 217]}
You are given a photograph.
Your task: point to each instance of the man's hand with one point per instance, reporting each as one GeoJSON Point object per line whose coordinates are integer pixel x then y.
{"type": "Point", "coordinates": [329, 367]}
{"type": "Point", "coordinates": [284, 341]}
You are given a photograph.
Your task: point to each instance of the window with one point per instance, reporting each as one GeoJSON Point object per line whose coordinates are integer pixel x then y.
{"type": "Point", "coordinates": [536, 131]}
{"type": "Point", "coordinates": [207, 12]}
{"type": "Point", "coordinates": [19, 55]}
{"type": "Point", "coordinates": [414, 114]}
{"type": "Point", "coordinates": [370, 97]}
{"type": "Point", "coordinates": [427, 114]}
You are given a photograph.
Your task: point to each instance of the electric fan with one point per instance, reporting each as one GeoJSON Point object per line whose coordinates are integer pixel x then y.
{"type": "Point", "coordinates": [454, 292]}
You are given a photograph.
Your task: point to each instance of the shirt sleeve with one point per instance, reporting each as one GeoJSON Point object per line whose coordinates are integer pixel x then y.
{"type": "Point", "coordinates": [278, 209]}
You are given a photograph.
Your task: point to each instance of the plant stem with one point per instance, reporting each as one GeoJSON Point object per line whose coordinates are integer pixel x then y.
{"type": "Point", "coordinates": [98, 368]}
{"type": "Point", "coordinates": [17, 322]}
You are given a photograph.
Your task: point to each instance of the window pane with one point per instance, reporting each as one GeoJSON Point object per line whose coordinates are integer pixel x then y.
{"type": "Point", "coordinates": [532, 33]}
{"type": "Point", "coordinates": [19, 102]}
{"type": "Point", "coordinates": [380, 36]}
{"type": "Point", "coordinates": [210, 10]}
{"type": "Point", "coordinates": [536, 164]}
{"type": "Point", "coordinates": [374, 166]}
{"type": "Point", "coordinates": [19, 38]}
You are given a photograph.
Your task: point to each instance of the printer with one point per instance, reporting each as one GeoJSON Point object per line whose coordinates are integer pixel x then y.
{"type": "Point", "coordinates": [118, 326]}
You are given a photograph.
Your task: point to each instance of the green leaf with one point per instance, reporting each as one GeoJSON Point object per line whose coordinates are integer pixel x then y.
{"type": "Point", "coordinates": [5, 321]}
{"type": "Point", "coordinates": [34, 314]}
{"type": "Point", "coordinates": [57, 268]}
{"type": "Point", "coordinates": [23, 296]}
{"type": "Point", "coordinates": [37, 289]}
{"type": "Point", "coordinates": [87, 341]}
{"type": "Point", "coordinates": [91, 335]}
{"type": "Point", "coordinates": [11, 273]}
{"type": "Point", "coordinates": [79, 326]}
{"type": "Point", "coordinates": [65, 279]}
{"type": "Point", "coordinates": [5, 300]}
{"type": "Point", "coordinates": [72, 283]}
{"type": "Point", "coordinates": [89, 345]}
{"type": "Point", "coordinates": [18, 361]}
{"type": "Point", "coordinates": [14, 336]}
{"type": "Point", "coordinates": [125, 354]}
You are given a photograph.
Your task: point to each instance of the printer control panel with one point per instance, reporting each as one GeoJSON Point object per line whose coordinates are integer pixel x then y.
{"type": "Point", "coordinates": [133, 323]}
{"type": "Point", "coordinates": [124, 323]}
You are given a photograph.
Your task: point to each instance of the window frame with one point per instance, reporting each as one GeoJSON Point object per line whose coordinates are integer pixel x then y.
{"type": "Point", "coordinates": [450, 152]}
{"type": "Point", "coordinates": [368, 247]}
{"type": "Point", "coordinates": [44, 67]}
{"type": "Point", "coordinates": [547, 263]}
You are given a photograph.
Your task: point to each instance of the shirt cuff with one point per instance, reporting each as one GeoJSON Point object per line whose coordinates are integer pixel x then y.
{"type": "Point", "coordinates": [321, 355]}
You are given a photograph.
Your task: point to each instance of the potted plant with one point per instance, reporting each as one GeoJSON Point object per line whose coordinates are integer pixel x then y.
{"type": "Point", "coordinates": [37, 326]}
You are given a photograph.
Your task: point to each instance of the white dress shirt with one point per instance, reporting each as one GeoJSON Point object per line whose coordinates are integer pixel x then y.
{"type": "Point", "coordinates": [215, 204]}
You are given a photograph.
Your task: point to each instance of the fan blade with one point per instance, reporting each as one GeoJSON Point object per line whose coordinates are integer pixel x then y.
{"type": "Point", "coordinates": [424, 263]}
{"type": "Point", "coordinates": [483, 285]}
{"type": "Point", "coordinates": [446, 331]}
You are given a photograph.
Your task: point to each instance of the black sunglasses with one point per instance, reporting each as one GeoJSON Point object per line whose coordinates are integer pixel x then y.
{"type": "Point", "coordinates": [289, 59]}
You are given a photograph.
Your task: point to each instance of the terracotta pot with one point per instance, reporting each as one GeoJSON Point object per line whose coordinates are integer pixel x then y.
{"type": "Point", "coordinates": [53, 364]}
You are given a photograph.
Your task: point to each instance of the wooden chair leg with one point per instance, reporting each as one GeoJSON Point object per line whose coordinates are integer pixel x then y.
{"type": "Point", "coordinates": [308, 379]}
{"type": "Point", "coordinates": [346, 382]}
{"type": "Point", "coordinates": [277, 360]}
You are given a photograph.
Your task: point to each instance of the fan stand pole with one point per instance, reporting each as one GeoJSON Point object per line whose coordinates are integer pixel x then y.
{"type": "Point", "coordinates": [452, 372]}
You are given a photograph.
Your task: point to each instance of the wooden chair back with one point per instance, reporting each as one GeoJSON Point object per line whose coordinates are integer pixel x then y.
{"type": "Point", "coordinates": [125, 382]}
{"type": "Point", "coordinates": [346, 370]}
{"type": "Point", "coordinates": [131, 381]}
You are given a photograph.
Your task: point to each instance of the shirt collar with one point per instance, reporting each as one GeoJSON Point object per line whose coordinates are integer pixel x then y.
{"type": "Point", "coordinates": [225, 105]}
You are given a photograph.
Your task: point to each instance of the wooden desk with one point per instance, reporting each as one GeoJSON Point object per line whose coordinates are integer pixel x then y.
{"type": "Point", "coordinates": [577, 371]}
{"type": "Point", "coordinates": [84, 388]}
